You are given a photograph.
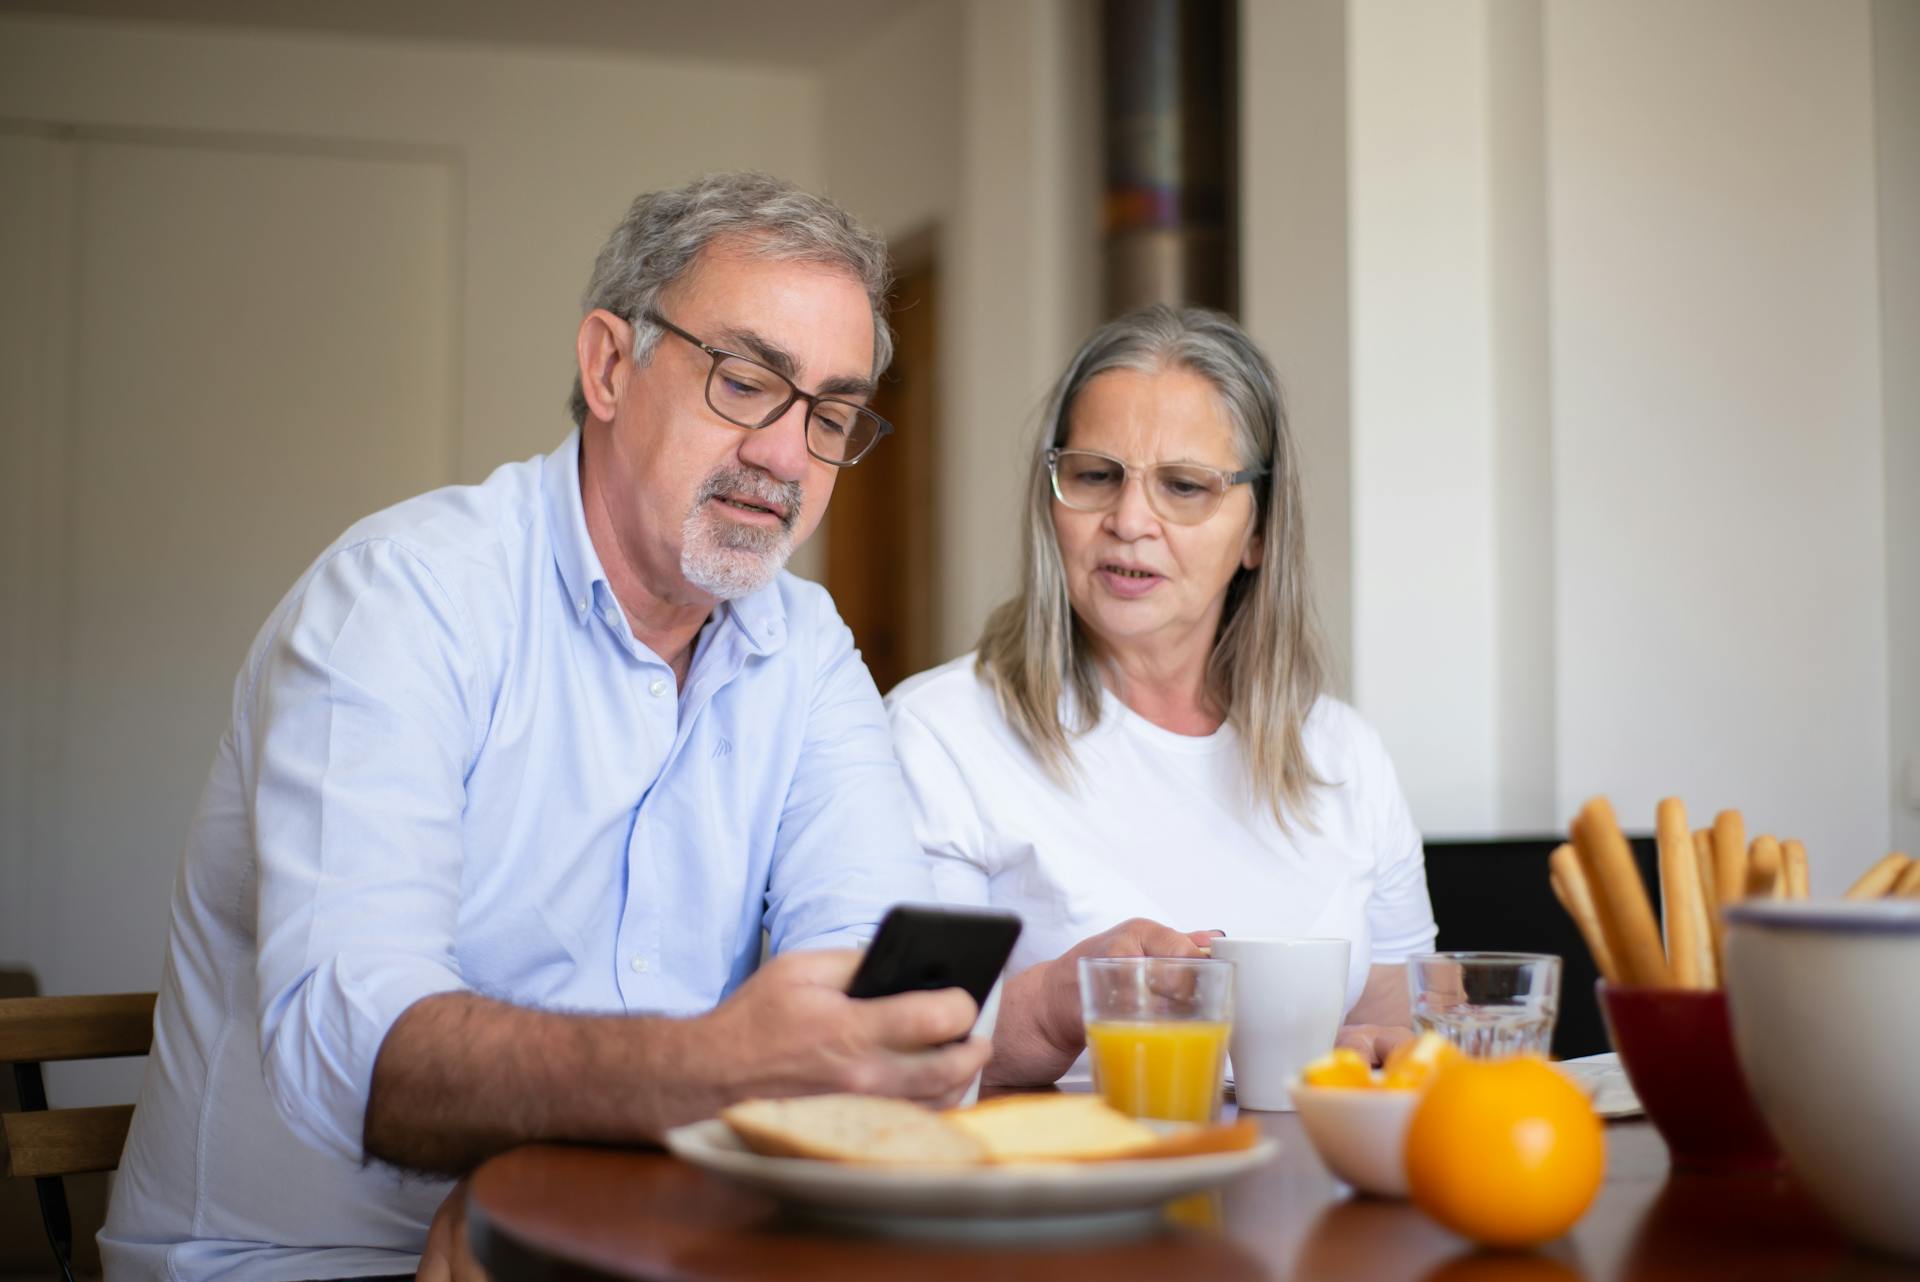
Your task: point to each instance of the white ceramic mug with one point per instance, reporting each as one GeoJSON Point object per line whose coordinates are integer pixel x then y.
{"type": "Point", "coordinates": [1288, 998]}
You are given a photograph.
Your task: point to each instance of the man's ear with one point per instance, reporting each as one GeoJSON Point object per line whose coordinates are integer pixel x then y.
{"type": "Point", "coordinates": [603, 347]}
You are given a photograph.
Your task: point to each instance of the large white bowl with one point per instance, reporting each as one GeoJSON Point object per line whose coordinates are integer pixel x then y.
{"type": "Point", "coordinates": [1825, 998]}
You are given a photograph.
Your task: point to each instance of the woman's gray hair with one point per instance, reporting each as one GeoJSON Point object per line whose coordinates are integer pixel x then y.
{"type": "Point", "coordinates": [664, 231]}
{"type": "Point", "coordinates": [1267, 668]}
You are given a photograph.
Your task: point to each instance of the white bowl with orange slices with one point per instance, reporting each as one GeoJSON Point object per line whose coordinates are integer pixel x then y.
{"type": "Point", "coordinates": [1357, 1118]}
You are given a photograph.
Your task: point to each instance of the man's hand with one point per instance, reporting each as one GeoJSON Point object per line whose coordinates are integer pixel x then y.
{"type": "Point", "coordinates": [792, 1030]}
{"type": "Point", "coordinates": [1039, 1033]}
{"type": "Point", "coordinates": [1374, 1041]}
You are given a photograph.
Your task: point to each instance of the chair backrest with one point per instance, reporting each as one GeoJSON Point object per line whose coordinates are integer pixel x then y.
{"type": "Point", "coordinates": [48, 1144]}
{"type": "Point", "coordinates": [1493, 895]}
{"type": "Point", "coordinates": [39, 1141]}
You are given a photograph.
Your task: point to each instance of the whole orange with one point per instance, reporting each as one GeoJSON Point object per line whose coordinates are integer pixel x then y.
{"type": "Point", "coordinates": [1507, 1152]}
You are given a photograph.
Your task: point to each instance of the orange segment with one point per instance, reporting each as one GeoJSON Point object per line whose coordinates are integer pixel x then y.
{"type": "Point", "coordinates": [1411, 1065]}
{"type": "Point", "coordinates": [1339, 1067]}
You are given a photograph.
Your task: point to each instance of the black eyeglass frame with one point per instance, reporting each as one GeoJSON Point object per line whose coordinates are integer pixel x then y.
{"type": "Point", "coordinates": [1228, 481]}
{"type": "Point", "coordinates": [813, 401]}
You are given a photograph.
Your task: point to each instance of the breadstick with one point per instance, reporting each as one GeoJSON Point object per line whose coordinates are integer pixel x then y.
{"type": "Point", "coordinates": [1879, 879]}
{"type": "Point", "coordinates": [1570, 888]}
{"type": "Point", "coordinates": [1619, 897]}
{"type": "Point", "coordinates": [1687, 933]}
{"type": "Point", "coordinates": [1729, 857]}
{"type": "Point", "coordinates": [1710, 900]}
{"type": "Point", "coordinates": [1908, 887]}
{"type": "Point", "coordinates": [1795, 855]}
{"type": "Point", "coordinates": [1764, 866]}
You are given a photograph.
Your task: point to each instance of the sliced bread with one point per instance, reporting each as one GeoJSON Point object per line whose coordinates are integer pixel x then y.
{"type": "Point", "coordinates": [1053, 1128]}
{"type": "Point", "coordinates": [852, 1128]}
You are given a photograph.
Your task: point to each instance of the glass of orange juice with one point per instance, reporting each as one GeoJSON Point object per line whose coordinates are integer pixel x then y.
{"type": "Point", "coordinates": [1157, 1028]}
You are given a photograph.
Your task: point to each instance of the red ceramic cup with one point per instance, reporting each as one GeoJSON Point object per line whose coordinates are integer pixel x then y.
{"type": "Point", "coordinates": [1677, 1047]}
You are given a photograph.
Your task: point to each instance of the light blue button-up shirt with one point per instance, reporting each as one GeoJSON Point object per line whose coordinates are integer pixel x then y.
{"type": "Point", "coordinates": [451, 767]}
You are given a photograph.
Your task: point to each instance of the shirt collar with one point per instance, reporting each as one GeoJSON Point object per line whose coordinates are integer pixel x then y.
{"type": "Point", "coordinates": [761, 616]}
{"type": "Point", "coordinates": [573, 553]}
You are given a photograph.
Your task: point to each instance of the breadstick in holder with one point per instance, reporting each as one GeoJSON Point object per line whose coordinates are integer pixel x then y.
{"type": "Point", "coordinates": [1764, 868]}
{"type": "Point", "coordinates": [1571, 889]}
{"type": "Point", "coordinates": [1795, 856]}
{"type": "Point", "coordinates": [1688, 937]}
{"type": "Point", "coordinates": [1619, 898]}
{"type": "Point", "coordinates": [1879, 879]}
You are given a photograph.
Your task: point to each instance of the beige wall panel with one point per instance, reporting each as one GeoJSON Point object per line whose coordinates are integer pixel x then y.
{"type": "Point", "coordinates": [36, 199]}
{"type": "Point", "coordinates": [262, 349]}
{"type": "Point", "coordinates": [552, 145]}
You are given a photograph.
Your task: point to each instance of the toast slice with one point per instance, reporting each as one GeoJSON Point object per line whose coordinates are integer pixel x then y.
{"type": "Point", "coordinates": [1053, 1128]}
{"type": "Point", "coordinates": [852, 1128]}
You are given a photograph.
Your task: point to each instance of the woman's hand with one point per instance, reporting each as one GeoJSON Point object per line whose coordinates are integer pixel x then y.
{"type": "Point", "coordinates": [1039, 1032]}
{"type": "Point", "coordinates": [1374, 1041]}
{"type": "Point", "coordinates": [1382, 1018]}
{"type": "Point", "coordinates": [446, 1257]}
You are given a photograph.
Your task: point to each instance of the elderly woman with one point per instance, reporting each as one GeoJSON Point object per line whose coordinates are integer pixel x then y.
{"type": "Point", "coordinates": [1144, 734]}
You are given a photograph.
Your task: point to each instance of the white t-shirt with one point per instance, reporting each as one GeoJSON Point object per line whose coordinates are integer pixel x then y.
{"type": "Point", "coordinates": [1158, 825]}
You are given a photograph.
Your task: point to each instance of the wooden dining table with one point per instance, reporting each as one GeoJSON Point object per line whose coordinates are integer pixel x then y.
{"type": "Point", "coordinates": [555, 1211]}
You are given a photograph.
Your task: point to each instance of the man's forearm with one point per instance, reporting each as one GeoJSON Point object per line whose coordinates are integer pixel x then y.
{"type": "Point", "coordinates": [461, 1077]}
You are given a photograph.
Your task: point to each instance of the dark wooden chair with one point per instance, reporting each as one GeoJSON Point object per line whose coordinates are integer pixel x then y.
{"type": "Point", "coordinates": [47, 1144]}
{"type": "Point", "coordinates": [1493, 895]}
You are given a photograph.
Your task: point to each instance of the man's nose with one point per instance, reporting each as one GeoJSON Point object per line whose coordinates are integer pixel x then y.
{"type": "Point", "coordinates": [780, 448]}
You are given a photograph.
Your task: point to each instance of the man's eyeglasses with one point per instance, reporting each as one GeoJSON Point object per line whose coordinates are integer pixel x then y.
{"type": "Point", "coordinates": [1184, 493]}
{"type": "Point", "coordinates": [748, 394]}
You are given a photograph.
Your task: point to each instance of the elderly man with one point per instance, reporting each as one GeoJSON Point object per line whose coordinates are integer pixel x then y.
{"type": "Point", "coordinates": [518, 772]}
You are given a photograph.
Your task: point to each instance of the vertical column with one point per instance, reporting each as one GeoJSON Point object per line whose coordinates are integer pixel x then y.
{"type": "Point", "coordinates": [1423, 491]}
{"type": "Point", "coordinates": [1170, 116]}
{"type": "Point", "coordinates": [1896, 116]}
{"type": "Point", "coordinates": [1294, 268]}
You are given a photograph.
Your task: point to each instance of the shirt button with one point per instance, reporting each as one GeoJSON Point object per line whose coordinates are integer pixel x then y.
{"type": "Point", "coordinates": [639, 965]}
{"type": "Point", "coordinates": [658, 688]}
{"type": "Point", "coordinates": [583, 605]}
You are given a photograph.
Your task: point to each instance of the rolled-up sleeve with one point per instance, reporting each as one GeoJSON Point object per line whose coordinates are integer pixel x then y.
{"type": "Point", "coordinates": [364, 706]}
{"type": "Point", "coordinates": [845, 850]}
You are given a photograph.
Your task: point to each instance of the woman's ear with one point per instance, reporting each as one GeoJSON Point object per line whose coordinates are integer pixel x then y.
{"type": "Point", "coordinates": [604, 348]}
{"type": "Point", "coordinates": [1256, 546]}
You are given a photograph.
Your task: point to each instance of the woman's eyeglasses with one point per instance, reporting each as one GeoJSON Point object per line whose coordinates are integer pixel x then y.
{"type": "Point", "coordinates": [1184, 493]}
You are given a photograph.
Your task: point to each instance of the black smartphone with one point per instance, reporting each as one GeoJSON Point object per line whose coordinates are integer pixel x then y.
{"type": "Point", "coordinates": [920, 948]}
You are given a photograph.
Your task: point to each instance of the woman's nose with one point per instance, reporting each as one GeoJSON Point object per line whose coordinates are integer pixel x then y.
{"type": "Point", "coordinates": [1132, 515]}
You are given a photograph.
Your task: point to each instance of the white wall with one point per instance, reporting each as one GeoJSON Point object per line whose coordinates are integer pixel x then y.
{"type": "Point", "coordinates": [1896, 86]}
{"type": "Point", "coordinates": [1625, 473]}
{"type": "Point", "coordinates": [124, 618]}
{"type": "Point", "coordinates": [1718, 441]}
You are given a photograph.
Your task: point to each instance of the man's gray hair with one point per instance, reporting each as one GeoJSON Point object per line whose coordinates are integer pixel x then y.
{"type": "Point", "coordinates": [664, 232]}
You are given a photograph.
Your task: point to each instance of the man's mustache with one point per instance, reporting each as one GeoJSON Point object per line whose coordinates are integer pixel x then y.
{"type": "Point", "coordinates": [782, 497]}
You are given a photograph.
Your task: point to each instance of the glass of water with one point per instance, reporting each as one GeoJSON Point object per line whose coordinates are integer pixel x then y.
{"type": "Point", "coordinates": [1487, 1004]}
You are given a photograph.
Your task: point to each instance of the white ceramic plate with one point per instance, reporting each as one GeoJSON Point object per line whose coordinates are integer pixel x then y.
{"type": "Point", "coordinates": [1605, 1082]}
{"type": "Point", "coordinates": [1046, 1196]}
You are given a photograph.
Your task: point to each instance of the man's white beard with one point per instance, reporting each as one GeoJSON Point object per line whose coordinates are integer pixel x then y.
{"type": "Point", "coordinates": [728, 559]}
